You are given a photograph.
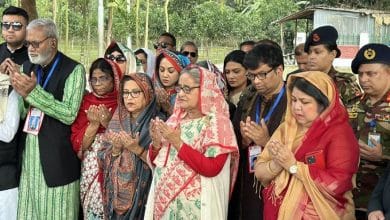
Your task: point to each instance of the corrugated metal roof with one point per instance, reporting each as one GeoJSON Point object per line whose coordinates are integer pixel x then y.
{"type": "Point", "coordinates": [308, 13]}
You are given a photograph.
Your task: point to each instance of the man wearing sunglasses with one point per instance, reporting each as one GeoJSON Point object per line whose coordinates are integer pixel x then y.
{"type": "Point", "coordinates": [13, 26]}
{"type": "Point", "coordinates": [190, 50]}
{"type": "Point", "coordinates": [165, 41]}
{"type": "Point", "coordinates": [52, 86]}
{"type": "Point", "coordinates": [12, 53]}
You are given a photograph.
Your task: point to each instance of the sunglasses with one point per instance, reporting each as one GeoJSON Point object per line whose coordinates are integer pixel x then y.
{"type": "Point", "coordinates": [16, 26]}
{"type": "Point", "coordinates": [186, 53]}
{"type": "Point", "coordinates": [118, 59]}
{"type": "Point", "coordinates": [162, 45]}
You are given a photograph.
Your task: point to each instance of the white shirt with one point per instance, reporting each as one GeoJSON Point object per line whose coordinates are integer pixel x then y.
{"type": "Point", "coordinates": [9, 126]}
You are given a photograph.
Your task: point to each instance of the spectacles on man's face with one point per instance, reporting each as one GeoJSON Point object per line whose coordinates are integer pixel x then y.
{"type": "Point", "coordinates": [102, 79]}
{"type": "Point", "coordinates": [253, 76]}
{"type": "Point", "coordinates": [185, 89]}
{"type": "Point", "coordinates": [34, 44]}
{"type": "Point", "coordinates": [16, 26]}
{"type": "Point", "coordinates": [133, 93]}
{"type": "Point", "coordinates": [163, 45]}
{"type": "Point", "coordinates": [186, 53]}
{"type": "Point", "coordinates": [119, 59]}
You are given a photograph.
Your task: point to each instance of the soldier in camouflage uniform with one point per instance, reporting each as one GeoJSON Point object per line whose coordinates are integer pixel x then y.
{"type": "Point", "coordinates": [370, 116]}
{"type": "Point", "coordinates": [322, 49]}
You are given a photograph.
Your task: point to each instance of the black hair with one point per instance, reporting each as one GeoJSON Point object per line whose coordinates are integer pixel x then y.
{"type": "Point", "coordinates": [111, 48]}
{"type": "Point", "coordinates": [236, 56]}
{"type": "Point", "coordinates": [264, 54]}
{"type": "Point", "coordinates": [173, 38]}
{"type": "Point", "coordinates": [103, 65]}
{"type": "Point", "coordinates": [268, 42]}
{"type": "Point", "coordinates": [309, 89]}
{"type": "Point", "coordinates": [248, 42]}
{"type": "Point", "coordinates": [139, 51]}
{"type": "Point", "coordinates": [12, 10]}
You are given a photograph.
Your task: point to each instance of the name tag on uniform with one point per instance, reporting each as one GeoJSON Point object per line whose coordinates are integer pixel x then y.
{"type": "Point", "coordinates": [33, 121]}
{"type": "Point", "coordinates": [253, 153]}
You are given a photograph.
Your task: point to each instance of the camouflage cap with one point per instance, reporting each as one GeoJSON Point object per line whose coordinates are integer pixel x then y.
{"type": "Point", "coordinates": [323, 35]}
{"type": "Point", "coordinates": [371, 53]}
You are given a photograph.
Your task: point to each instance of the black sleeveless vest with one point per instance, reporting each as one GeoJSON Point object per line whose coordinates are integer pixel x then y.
{"type": "Point", "coordinates": [60, 164]}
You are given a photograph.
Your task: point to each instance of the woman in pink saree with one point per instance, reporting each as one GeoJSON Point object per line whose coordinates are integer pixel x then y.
{"type": "Point", "coordinates": [194, 154]}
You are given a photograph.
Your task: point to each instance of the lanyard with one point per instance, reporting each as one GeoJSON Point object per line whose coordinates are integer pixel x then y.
{"type": "Point", "coordinates": [50, 72]}
{"type": "Point", "coordinates": [268, 116]}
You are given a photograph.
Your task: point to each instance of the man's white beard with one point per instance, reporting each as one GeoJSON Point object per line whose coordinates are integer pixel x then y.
{"type": "Point", "coordinates": [41, 59]}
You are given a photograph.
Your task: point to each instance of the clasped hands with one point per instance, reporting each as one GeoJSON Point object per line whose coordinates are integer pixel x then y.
{"type": "Point", "coordinates": [159, 129]}
{"type": "Point", "coordinates": [281, 155]}
{"type": "Point", "coordinates": [99, 115]}
{"type": "Point", "coordinates": [22, 83]}
{"type": "Point", "coordinates": [253, 132]}
{"type": "Point", "coordinates": [123, 140]}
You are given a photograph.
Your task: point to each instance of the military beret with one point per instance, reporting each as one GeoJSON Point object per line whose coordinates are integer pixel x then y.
{"type": "Point", "coordinates": [323, 35]}
{"type": "Point", "coordinates": [371, 53]}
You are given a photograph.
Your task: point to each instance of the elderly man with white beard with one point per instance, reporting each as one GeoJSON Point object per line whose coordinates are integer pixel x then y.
{"type": "Point", "coordinates": [51, 85]}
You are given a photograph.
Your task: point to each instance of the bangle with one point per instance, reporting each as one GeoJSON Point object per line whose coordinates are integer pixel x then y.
{"type": "Point", "coordinates": [142, 151]}
{"type": "Point", "coordinates": [116, 154]}
{"type": "Point", "coordinates": [270, 170]}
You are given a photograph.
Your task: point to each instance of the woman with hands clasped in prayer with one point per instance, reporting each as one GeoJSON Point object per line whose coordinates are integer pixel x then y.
{"type": "Point", "coordinates": [126, 175]}
{"type": "Point", "coordinates": [308, 165]}
{"type": "Point", "coordinates": [88, 128]}
{"type": "Point", "coordinates": [194, 154]}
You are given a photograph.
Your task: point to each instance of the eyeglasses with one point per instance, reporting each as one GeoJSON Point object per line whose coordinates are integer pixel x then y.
{"type": "Point", "coordinates": [118, 59]}
{"type": "Point", "coordinates": [186, 53]}
{"type": "Point", "coordinates": [261, 76]}
{"type": "Point", "coordinates": [16, 26]}
{"type": "Point", "coordinates": [134, 94]}
{"type": "Point", "coordinates": [186, 89]}
{"type": "Point", "coordinates": [102, 79]}
{"type": "Point", "coordinates": [34, 44]}
{"type": "Point", "coordinates": [162, 45]}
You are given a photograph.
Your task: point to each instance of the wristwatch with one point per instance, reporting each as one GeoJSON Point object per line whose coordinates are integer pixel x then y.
{"type": "Point", "coordinates": [293, 169]}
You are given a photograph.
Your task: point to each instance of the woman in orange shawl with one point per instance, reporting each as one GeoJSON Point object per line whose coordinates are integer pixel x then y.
{"type": "Point", "coordinates": [309, 163]}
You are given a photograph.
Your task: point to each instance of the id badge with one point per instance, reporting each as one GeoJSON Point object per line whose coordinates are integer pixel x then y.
{"type": "Point", "coordinates": [33, 121]}
{"type": "Point", "coordinates": [375, 136]}
{"type": "Point", "coordinates": [253, 153]}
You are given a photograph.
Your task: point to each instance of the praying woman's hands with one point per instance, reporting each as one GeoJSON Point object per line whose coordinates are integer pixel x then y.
{"type": "Point", "coordinates": [281, 154]}
{"type": "Point", "coordinates": [154, 134]}
{"type": "Point", "coordinates": [169, 134]}
{"type": "Point", "coordinates": [93, 115]}
{"type": "Point", "coordinates": [115, 139]}
{"type": "Point", "coordinates": [105, 115]}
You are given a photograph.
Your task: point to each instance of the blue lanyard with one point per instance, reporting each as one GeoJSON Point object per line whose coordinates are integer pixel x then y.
{"type": "Point", "coordinates": [268, 116]}
{"type": "Point", "coordinates": [50, 73]}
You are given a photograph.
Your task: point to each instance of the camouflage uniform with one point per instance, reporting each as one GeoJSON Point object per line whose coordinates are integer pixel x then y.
{"type": "Point", "coordinates": [361, 113]}
{"type": "Point", "coordinates": [347, 86]}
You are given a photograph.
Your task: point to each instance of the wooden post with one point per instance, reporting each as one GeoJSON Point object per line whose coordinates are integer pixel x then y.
{"type": "Point", "coordinates": [281, 37]}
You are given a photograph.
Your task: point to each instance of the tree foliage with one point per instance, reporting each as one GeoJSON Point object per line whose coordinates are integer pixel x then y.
{"type": "Point", "coordinates": [224, 22]}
